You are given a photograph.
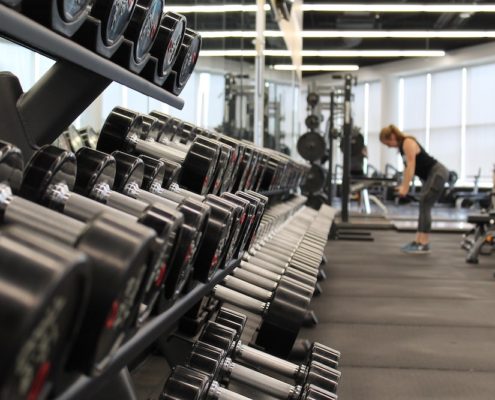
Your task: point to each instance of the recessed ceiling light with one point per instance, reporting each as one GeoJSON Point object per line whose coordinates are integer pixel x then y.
{"type": "Point", "coordinates": [316, 68]}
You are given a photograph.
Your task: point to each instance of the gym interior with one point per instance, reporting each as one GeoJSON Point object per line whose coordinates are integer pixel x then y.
{"type": "Point", "coordinates": [234, 200]}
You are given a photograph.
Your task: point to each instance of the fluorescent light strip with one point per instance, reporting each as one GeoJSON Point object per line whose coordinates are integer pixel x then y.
{"type": "Point", "coordinates": [327, 53]}
{"type": "Point", "coordinates": [373, 53]}
{"type": "Point", "coordinates": [401, 8]}
{"type": "Point", "coordinates": [358, 34]}
{"type": "Point", "coordinates": [383, 8]}
{"type": "Point", "coordinates": [399, 34]}
{"type": "Point", "coordinates": [315, 68]}
{"type": "Point", "coordinates": [227, 8]}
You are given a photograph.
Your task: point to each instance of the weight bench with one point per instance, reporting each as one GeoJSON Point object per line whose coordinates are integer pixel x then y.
{"type": "Point", "coordinates": [482, 234]}
{"type": "Point", "coordinates": [363, 184]}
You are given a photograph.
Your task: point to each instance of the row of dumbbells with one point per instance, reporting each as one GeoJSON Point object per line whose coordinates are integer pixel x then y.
{"type": "Point", "coordinates": [199, 160]}
{"type": "Point", "coordinates": [95, 262]}
{"type": "Point", "coordinates": [274, 284]}
{"type": "Point", "coordinates": [135, 34]}
{"type": "Point", "coordinates": [277, 278]}
{"type": "Point", "coordinates": [219, 357]}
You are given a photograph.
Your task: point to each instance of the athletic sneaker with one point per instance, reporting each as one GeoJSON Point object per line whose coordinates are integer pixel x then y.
{"type": "Point", "coordinates": [415, 248]}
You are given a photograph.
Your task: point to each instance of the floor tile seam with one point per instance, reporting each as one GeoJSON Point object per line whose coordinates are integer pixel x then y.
{"type": "Point", "coordinates": [341, 322]}
{"type": "Point", "coordinates": [399, 368]}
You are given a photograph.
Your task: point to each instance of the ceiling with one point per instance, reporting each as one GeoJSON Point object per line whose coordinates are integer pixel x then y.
{"type": "Point", "coordinates": [343, 21]}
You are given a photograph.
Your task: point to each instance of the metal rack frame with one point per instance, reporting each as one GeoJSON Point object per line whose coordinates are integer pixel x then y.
{"type": "Point", "coordinates": [78, 77]}
{"type": "Point", "coordinates": [86, 387]}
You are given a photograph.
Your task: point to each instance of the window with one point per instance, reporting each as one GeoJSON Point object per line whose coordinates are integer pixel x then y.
{"type": "Point", "coordinates": [446, 118]}
{"type": "Point", "coordinates": [480, 122]}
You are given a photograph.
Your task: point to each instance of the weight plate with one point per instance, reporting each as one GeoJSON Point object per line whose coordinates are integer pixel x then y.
{"type": "Point", "coordinates": [198, 168]}
{"type": "Point", "coordinates": [93, 169]}
{"type": "Point", "coordinates": [43, 293]}
{"type": "Point", "coordinates": [313, 99]}
{"type": "Point", "coordinates": [186, 62]}
{"type": "Point", "coordinates": [167, 44]}
{"type": "Point", "coordinates": [312, 392]}
{"type": "Point", "coordinates": [48, 166]}
{"type": "Point", "coordinates": [238, 216]}
{"type": "Point", "coordinates": [232, 319]}
{"type": "Point", "coordinates": [315, 179]}
{"type": "Point", "coordinates": [154, 173]}
{"type": "Point", "coordinates": [115, 132]}
{"type": "Point", "coordinates": [114, 16]}
{"type": "Point", "coordinates": [130, 171]}
{"type": "Point", "coordinates": [312, 122]}
{"type": "Point", "coordinates": [73, 10]}
{"type": "Point", "coordinates": [207, 359]}
{"type": "Point", "coordinates": [185, 384]}
{"type": "Point", "coordinates": [311, 146]}
{"type": "Point", "coordinates": [149, 30]}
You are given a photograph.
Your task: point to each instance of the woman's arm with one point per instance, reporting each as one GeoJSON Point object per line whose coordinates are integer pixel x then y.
{"type": "Point", "coordinates": [410, 149]}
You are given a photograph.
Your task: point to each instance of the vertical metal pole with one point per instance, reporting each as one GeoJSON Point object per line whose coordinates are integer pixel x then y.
{"type": "Point", "coordinates": [259, 93]}
{"type": "Point", "coordinates": [331, 127]}
{"type": "Point", "coordinates": [347, 149]}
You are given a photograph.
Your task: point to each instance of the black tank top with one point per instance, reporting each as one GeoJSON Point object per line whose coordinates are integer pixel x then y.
{"type": "Point", "coordinates": [424, 162]}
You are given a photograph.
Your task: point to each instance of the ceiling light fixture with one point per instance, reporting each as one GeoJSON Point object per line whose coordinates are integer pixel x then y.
{"type": "Point", "coordinates": [381, 8]}
{"type": "Point", "coordinates": [401, 8]}
{"type": "Point", "coordinates": [226, 8]}
{"type": "Point", "coordinates": [378, 34]}
{"type": "Point", "coordinates": [316, 68]}
{"type": "Point", "coordinates": [327, 53]}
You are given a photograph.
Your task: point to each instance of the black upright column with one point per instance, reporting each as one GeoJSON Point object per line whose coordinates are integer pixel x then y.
{"type": "Point", "coordinates": [347, 149]}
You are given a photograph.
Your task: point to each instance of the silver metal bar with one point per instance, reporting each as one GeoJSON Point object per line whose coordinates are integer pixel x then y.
{"type": "Point", "coordinates": [264, 383]}
{"type": "Point", "coordinates": [126, 204]}
{"type": "Point", "coordinates": [265, 360]}
{"type": "Point", "coordinates": [247, 288]}
{"type": "Point", "coordinates": [240, 300]}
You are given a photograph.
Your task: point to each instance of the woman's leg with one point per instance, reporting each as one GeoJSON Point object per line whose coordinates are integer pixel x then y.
{"type": "Point", "coordinates": [430, 194]}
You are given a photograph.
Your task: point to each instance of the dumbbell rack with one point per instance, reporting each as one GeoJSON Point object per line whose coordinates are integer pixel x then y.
{"type": "Point", "coordinates": [78, 77]}
{"type": "Point", "coordinates": [37, 117]}
{"type": "Point", "coordinates": [86, 387]}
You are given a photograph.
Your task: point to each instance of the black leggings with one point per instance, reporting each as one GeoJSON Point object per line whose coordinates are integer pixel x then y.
{"type": "Point", "coordinates": [432, 190]}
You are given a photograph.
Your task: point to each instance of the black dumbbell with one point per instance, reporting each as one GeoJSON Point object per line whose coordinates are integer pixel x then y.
{"type": "Point", "coordinates": [215, 362]}
{"type": "Point", "coordinates": [97, 174]}
{"type": "Point", "coordinates": [185, 63]}
{"type": "Point", "coordinates": [160, 128]}
{"type": "Point", "coordinates": [180, 135]}
{"type": "Point", "coordinates": [217, 229]}
{"type": "Point", "coordinates": [123, 130]}
{"type": "Point", "coordinates": [44, 289]}
{"type": "Point", "coordinates": [282, 316]}
{"type": "Point", "coordinates": [142, 31]}
{"type": "Point", "coordinates": [129, 177]}
{"type": "Point", "coordinates": [118, 248]}
{"type": "Point", "coordinates": [166, 47]}
{"type": "Point", "coordinates": [185, 383]}
{"type": "Point", "coordinates": [317, 353]}
{"type": "Point", "coordinates": [52, 173]}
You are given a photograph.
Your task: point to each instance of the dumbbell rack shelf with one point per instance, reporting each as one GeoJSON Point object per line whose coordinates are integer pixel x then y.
{"type": "Point", "coordinates": [79, 76]}
{"type": "Point", "coordinates": [86, 387]}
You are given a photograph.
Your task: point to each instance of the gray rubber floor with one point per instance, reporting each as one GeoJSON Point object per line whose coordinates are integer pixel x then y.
{"type": "Point", "coordinates": [408, 327]}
